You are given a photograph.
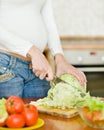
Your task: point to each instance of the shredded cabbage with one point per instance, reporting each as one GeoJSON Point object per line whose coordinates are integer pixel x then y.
{"type": "Point", "coordinates": [3, 112]}
{"type": "Point", "coordinates": [63, 95]}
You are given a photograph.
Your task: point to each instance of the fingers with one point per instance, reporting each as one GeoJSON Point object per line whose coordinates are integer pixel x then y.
{"type": "Point", "coordinates": [40, 73]}
{"type": "Point", "coordinates": [84, 77]}
{"type": "Point", "coordinates": [49, 76]}
{"type": "Point", "coordinates": [44, 74]}
{"type": "Point", "coordinates": [81, 77]}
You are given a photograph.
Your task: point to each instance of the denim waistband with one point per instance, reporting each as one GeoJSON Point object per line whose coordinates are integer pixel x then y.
{"type": "Point", "coordinates": [27, 58]}
{"type": "Point", "coordinates": [13, 60]}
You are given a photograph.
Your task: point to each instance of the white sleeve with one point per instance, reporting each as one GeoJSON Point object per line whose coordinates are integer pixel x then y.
{"type": "Point", "coordinates": [11, 42]}
{"type": "Point", "coordinates": [53, 36]}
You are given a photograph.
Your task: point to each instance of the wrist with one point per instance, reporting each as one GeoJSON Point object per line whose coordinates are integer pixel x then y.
{"type": "Point", "coordinates": [31, 51]}
{"type": "Point", "coordinates": [59, 57]}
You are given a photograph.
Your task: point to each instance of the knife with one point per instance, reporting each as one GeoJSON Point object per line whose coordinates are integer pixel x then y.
{"type": "Point", "coordinates": [58, 80]}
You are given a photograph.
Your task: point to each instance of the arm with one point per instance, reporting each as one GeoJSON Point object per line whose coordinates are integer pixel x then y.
{"type": "Point", "coordinates": [53, 36]}
{"type": "Point", "coordinates": [62, 66]}
{"type": "Point", "coordinates": [12, 42]}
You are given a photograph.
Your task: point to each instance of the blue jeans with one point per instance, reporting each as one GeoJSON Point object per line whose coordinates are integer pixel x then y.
{"type": "Point", "coordinates": [17, 79]}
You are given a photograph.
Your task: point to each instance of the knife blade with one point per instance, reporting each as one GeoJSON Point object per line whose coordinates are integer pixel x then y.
{"type": "Point", "coordinates": [58, 80]}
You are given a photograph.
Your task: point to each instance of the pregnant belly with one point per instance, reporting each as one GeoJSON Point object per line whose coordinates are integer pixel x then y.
{"type": "Point", "coordinates": [29, 28]}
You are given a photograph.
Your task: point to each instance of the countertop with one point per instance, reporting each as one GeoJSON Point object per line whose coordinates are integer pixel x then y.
{"type": "Point", "coordinates": [58, 123]}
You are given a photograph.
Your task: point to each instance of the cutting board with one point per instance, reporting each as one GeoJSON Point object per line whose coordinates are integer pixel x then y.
{"type": "Point", "coordinates": [65, 113]}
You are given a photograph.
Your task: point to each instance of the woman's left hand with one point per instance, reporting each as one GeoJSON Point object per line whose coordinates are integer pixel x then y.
{"type": "Point", "coordinates": [62, 67]}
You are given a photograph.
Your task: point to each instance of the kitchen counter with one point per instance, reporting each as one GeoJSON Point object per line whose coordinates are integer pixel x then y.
{"type": "Point", "coordinates": [82, 43]}
{"type": "Point", "coordinates": [57, 123]}
{"type": "Point", "coordinates": [79, 46]}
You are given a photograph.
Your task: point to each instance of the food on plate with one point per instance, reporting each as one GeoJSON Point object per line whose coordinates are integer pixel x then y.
{"type": "Point", "coordinates": [14, 104]}
{"type": "Point", "coordinates": [92, 112]}
{"type": "Point", "coordinates": [2, 123]}
{"type": "Point", "coordinates": [31, 114]}
{"type": "Point", "coordinates": [63, 98]}
{"type": "Point", "coordinates": [15, 114]}
{"type": "Point", "coordinates": [3, 112]}
{"type": "Point", "coordinates": [15, 121]}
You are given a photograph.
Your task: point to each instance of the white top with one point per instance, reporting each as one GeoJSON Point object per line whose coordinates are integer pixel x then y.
{"type": "Point", "coordinates": [24, 23]}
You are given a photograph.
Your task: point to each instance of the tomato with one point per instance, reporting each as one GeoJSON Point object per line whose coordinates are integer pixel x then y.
{"type": "Point", "coordinates": [89, 116]}
{"type": "Point", "coordinates": [87, 113]}
{"type": "Point", "coordinates": [30, 114]}
{"type": "Point", "coordinates": [15, 121]}
{"type": "Point", "coordinates": [85, 109]}
{"type": "Point", "coordinates": [14, 104]}
{"type": "Point", "coordinates": [92, 116]}
{"type": "Point", "coordinates": [2, 123]}
{"type": "Point", "coordinates": [97, 115]}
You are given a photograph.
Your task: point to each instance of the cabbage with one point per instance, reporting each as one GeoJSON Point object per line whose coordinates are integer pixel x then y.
{"type": "Point", "coordinates": [94, 103]}
{"type": "Point", "coordinates": [3, 112]}
{"type": "Point", "coordinates": [73, 81]}
{"type": "Point", "coordinates": [63, 95]}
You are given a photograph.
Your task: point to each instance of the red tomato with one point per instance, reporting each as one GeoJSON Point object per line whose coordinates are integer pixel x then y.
{"type": "Point", "coordinates": [89, 116]}
{"type": "Point", "coordinates": [87, 113]}
{"type": "Point", "coordinates": [2, 123]}
{"type": "Point", "coordinates": [97, 115]}
{"type": "Point", "coordinates": [85, 109]}
{"type": "Point", "coordinates": [14, 104]}
{"type": "Point", "coordinates": [15, 121]}
{"type": "Point", "coordinates": [30, 114]}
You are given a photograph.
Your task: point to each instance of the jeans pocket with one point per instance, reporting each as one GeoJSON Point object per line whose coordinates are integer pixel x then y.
{"type": "Point", "coordinates": [4, 59]}
{"type": "Point", "coordinates": [6, 74]}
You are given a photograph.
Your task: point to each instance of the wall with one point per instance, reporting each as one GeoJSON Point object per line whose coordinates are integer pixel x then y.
{"type": "Point", "coordinates": [79, 17]}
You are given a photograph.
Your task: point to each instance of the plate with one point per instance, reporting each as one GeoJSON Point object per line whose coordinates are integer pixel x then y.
{"type": "Point", "coordinates": [39, 123]}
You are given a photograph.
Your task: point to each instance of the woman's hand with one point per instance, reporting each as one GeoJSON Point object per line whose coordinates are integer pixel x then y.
{"type": "Point", "coordinates": [40, 65]}
{"type": "Point", "coordinates": [62, 67]}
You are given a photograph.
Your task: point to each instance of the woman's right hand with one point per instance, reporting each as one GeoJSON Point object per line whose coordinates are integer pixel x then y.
{"type": "Point", "coordinates": [40, 65]}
